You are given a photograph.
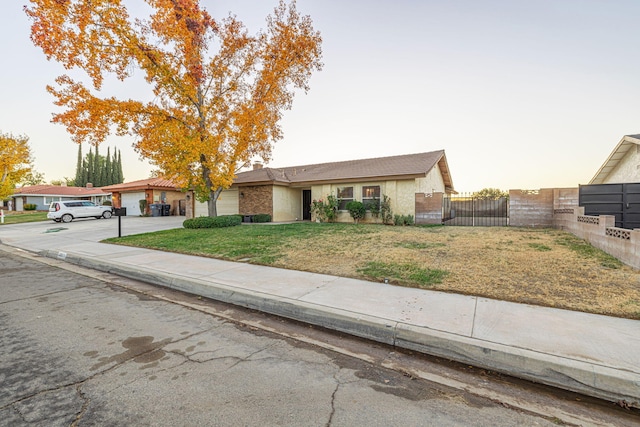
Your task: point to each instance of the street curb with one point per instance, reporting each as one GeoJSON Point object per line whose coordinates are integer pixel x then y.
{"type": "Point", "coordinates": [569, 374]}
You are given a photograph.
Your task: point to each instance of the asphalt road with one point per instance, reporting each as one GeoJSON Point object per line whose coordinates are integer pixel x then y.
{"type": "Point", "coordinates": [77, 350]}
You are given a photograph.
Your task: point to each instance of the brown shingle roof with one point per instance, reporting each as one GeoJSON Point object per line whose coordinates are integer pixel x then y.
{"type": "Point", "coordinates": [143, 184]}
{"type": "Point", "coordinates": [58, 190]}
{"type": "Point", "coordinates": [407, 165]}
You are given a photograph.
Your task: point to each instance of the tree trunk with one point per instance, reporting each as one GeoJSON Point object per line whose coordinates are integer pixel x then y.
{"type": "Point", "coordinates": [212, 208]}
{"type": "Point", "coordinates": [212, 202]}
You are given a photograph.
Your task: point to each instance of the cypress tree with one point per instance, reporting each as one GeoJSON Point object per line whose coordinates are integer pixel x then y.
{"type": "Point", "coordinates": [119, 168]}
{"type": "Point", "coordinates": [97, 178]}
{"type": "Point", "coordinates": [90, 167]}
{"type": "Point", "coordinates": [85, 176]}
{"type": "Point", "coordinates": [79, 169]}
{"type": "Point", "coordinates": [108, 173]}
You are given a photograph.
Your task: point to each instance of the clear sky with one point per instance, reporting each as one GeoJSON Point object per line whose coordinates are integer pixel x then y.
{"type": "Point", "coordinates": [519, 94]}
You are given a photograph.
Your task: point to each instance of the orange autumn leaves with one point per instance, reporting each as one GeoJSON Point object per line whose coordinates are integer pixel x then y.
{"type": "Point", "coordinates": [15, 162]}
{"type": "Point", "coordinates": [218, 92]}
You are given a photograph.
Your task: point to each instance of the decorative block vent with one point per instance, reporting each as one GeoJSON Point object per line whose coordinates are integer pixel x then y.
{"type": "Point", "coordinates": [595, 220]}
{"type": "Point", "coordinates": [619, 233]}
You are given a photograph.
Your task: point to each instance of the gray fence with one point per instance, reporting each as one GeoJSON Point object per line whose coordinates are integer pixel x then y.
{"type": "Point", "coordinates": [475, 211]}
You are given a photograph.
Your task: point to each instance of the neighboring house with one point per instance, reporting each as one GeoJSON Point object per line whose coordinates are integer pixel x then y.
{"type": "Point", "coordinates": [623, 165]}
{"type": "Point", "coordinates": [286, 193]}
{"type": "Point", "coordinates": [152, 190]}
{"type": "Point", "coordinates": [43, 195]}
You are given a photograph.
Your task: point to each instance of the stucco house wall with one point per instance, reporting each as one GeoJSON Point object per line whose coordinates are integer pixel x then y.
{"type": "Point", "coordinates": [432, 183]}
{"type": "Point", "coordinates": [622, 165]}
{"type": "Point", "coordinates": [405, 204]}
{"type": "Point", "coordinates": [287, 204]}
{"type": "Point", "coordinates": [400, 192]}
{"type": "Point", "coordinates": [627, 169]}
{"type": "Point", "coordinates": [228, 202]}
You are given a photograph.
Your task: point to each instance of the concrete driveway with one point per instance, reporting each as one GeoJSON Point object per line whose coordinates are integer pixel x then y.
{"type": "Point", "coordinates": [37, 236]}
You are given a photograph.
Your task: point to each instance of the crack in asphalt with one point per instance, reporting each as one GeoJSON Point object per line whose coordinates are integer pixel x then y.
{"type": "Point", "coordinates": [81, 382]}
{"type": "Point", "coordinates": [333, 400]}
{"type": "Point", "coordinates": [85, 405]}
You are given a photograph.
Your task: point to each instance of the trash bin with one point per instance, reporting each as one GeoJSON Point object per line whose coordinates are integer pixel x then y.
{"type": "Point", "coordinates": [246, 218]}
{"type": "Point", "coordinates": [155, 209]}
{"type": "Point", "coordinates": [166, 210]}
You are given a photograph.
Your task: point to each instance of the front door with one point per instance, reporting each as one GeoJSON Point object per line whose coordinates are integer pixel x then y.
{"type": "Point", "coordinates": [306, 205]}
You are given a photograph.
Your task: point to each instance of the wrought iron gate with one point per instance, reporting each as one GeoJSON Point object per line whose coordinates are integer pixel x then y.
{"type": "Point", "coordinates": [475, 211]}
{"type": "Point", "coordinates": [619, 200]}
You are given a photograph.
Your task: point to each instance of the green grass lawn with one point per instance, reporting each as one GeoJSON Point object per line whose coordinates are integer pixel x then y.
{"type": "Point", "coordinates": [17, 218]}
{"type": "Point", "coordinates": [259, 244]}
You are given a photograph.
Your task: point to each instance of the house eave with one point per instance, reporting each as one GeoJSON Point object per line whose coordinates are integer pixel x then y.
{"type": "Point", "coordinates": [144, 187]}
{"type": "Point", "coordinates": [337, 180]}
{"type": "Point", "coordinates": [59, 195]}
{"type": "Point", "coordinates": [618, 153]}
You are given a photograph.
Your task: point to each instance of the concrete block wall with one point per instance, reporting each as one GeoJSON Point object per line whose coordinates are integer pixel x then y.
{"type": "Point", "coordinates": [529, 208]}
{"type": "Point", "coordinates": [428, 208]}
{"type": "Point", "coordinates": [565, 198]}
{"type": "Point", "coordinates": [600, 232]}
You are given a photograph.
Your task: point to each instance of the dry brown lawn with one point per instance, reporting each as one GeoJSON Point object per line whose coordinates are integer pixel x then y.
{"type": "Point", "coordinates": [542, 267]}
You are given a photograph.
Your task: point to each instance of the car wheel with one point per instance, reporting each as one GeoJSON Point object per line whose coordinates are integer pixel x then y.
{"type": "Point", "coordinates": [106, 214]}
{"type": "Point", "coordinates": [66, 218]}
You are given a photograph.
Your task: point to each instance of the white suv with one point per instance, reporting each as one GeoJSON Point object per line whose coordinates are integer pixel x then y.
{"type": "Point", "coordinates": [68, 210]}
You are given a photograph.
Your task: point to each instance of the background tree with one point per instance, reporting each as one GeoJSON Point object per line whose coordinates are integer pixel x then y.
{"type": "Point", "coordinates": [218, 92]}
{"type": "Point", "coordinates": [116, 164]}
{"type": "Point", "coordinates": [490, 194]}
{"type": "Point", "coordinates": [32, 178]}
{"type": "Point", "coordinates": [64, 181]}
{"type": "Point", "coordinates": [99, 170]}
{"type": "Point", "coordinates": [79, 179]}
{"type": "Point", "coordinates": [15, 162]}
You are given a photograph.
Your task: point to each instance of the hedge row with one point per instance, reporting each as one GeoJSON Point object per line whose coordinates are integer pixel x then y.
{"type": "Point", "coordinates": [261, 218]}
{"type": "Point", "coordinates": [213, 222]}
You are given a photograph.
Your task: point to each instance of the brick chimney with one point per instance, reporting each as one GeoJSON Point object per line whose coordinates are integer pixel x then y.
{"type": "Point", "coordinates": [257, 165]}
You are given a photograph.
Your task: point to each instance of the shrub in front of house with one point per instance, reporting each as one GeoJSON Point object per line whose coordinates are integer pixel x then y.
{"type": "Point", "coordinates": [143, 207]}
{"type": "Point", "coordinates": [357, 210]}
{"type": "Point", "coordinates": [403, 220]}
{"type": "Point", "coordinates": [29, 207]}
{"type": "Point", "coordinates": [261, 218]}
{"type": "Point", "coordinates": [213, 222]}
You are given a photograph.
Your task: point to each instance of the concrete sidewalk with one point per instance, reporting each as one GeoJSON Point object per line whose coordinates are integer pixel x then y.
{"type": "Point", "coordinates": [590, 354]}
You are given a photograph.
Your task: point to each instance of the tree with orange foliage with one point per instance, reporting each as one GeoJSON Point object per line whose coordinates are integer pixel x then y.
{"type": "Point", "coordinates": [219, 93]}
{"type": "Point", "coordinates": [15, 162]}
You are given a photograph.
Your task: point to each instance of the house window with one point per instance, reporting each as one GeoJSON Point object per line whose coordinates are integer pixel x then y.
{"type": "Point", "coordinates": [345, 195]}
{"type": "Point", "coordinates": [371, 195]}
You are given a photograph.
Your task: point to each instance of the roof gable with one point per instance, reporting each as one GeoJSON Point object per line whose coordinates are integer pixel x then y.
{"type": "Point", "coordinates": [618, 153]}
{"type": "Point", "coordinates": [408, 165]}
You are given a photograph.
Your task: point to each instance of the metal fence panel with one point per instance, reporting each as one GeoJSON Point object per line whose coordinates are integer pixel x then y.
{"type": "Point", "coordinates": [620, 200]}
{"type": "Point", "coordinates": [475, 212]}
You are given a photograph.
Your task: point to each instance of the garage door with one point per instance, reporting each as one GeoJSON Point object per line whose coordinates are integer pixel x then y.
{"type": "Point", "coordinates": [131, 201]}
{"type": "Point", "coordinates": [227, 204]}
